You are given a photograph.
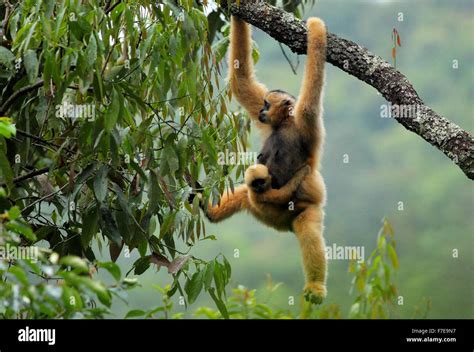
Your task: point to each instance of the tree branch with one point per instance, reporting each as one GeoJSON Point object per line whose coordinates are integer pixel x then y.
{"type": "Point", "coordinates": [456, 143]}
{"type": "Point", "coordinates": [30, 175]}
{"type": "Point", "coordinates": [19, 92]}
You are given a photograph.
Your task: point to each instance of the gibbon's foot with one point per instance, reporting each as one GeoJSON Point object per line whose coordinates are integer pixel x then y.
{"type": "Point", "coordinates": [257, 178]}
{"type": "Point", "coordinates": [316, 24]}
{"type": "Point", "coordinates": [315, 292]}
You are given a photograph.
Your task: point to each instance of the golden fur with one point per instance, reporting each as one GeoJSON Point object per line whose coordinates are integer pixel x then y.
{"type": "Point", "coordinates": [296, 120]}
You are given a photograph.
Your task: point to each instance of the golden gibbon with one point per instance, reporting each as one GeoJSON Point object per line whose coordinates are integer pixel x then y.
{"type": "Point", "coordinates": [285, 189]}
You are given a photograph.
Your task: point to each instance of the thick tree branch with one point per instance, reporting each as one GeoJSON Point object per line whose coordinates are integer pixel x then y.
{"type": "Point", "coordinates": [350, 57]}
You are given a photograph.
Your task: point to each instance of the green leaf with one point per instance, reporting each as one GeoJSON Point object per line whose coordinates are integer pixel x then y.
{"type": "Point", "coordinates": [21, 229]}
{"type": "Point", "coordinates": [193, 286]}
{"type": "Point", "coordinates": [91, 51]}
{"type": "Point", "coordinates": [14, 213]}
{"type": "Point", "coordinates": [6, 57]}
{"type": "Point", "coordinates": [112, 113]}
{"type": "Point", "coordinates": [109, 227]}
{"type": "Point", "coordinates": [7, 129]}
{"type": "Point", "coordinates": [154, 193]}
{"type": "Point", "coordinates": [20, 274]}
{"type": "Point", "coordinates": [219, 278]}
{"type": "Point", "coordinates": [99, 289]}
{"type": "Point", "coordinates": [219, 303]}
{"type": "Point", "coordinates": [228, 269]}
{"type": "Point", "coordinates": [31, 65]}
{"type": "Point", "coordinates": [90, 226]}
{"type": "Point", "coordinates": [142, 265]}
{"type": "Point", "coordinates": [208, 275]}
{"type": "Point", "coordinates": [112, 268]}
{"type": "Point", "coordinates": [135, 313]}
{"type": "Point", "coordinates": [75, 262]}
{"type": "Point", "coordinates": [393, 256]}
{"type": "Point", "coordinates": [100, 184]}
{"type": "Point", "coordinates": [6, 172]}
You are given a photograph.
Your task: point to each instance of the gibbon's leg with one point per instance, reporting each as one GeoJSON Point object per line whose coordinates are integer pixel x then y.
{"type": "Point", "coordinates": [285, 193]}
{"type": "Point", "coordinates": [230, 203]}
{"type": "Point", "coordinates": [308, 109]}
{"type": "Point", "coordinates": [308, 228]}
{"type": "Point", "coordinates": [248, 91]}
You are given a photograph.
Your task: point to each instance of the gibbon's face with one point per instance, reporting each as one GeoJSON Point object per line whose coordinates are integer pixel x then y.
{"type": "Point", "coordinates": [277, 108]}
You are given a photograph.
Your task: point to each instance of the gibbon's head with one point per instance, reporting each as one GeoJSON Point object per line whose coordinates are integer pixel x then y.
{"type": "Point", "coordinates": [278, 107]}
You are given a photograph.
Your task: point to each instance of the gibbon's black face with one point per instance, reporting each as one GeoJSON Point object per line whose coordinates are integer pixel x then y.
{"type": "Point", "coordinates": [278, 107]}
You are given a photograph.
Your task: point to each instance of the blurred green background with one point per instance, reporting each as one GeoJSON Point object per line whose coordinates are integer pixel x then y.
{"type": "Point", "coordinates": [387, 165]}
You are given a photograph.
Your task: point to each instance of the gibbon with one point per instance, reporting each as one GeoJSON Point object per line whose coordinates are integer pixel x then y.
{"type": "Point", "coordinates": [285, 190]}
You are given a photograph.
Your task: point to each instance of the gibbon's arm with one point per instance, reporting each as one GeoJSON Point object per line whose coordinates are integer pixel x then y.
{"type": "Point", "coordinates": [230, 203]}
{"type": "Point", "coordinates": [248, 91]}
{"type": "Point", "coordinates": [285, 193]}
{"type": "Point", "coordinates": [308, 107]}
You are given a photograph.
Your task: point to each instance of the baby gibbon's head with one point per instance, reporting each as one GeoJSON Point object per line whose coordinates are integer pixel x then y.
{"type": "Point", "coordinates": [277, 108]}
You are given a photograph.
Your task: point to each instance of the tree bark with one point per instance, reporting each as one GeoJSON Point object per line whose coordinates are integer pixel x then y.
{"type": "Point", "coordinates": [456, 143]}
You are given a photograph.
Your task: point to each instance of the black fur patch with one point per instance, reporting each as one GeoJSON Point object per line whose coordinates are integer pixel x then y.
{"type": "Point", "coordinates": [283, 156]}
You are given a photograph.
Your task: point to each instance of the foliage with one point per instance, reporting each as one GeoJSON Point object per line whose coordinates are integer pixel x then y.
{"type": "Point", "coordinates": [373, 281]}
{"type": "Point", "coordinates": [118, 108]}
{"type": "Point", "coordinates": [35, 283]}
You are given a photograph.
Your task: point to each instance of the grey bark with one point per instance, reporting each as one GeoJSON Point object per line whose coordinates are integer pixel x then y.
{"type": "Point", "coordinates": [456, 143]}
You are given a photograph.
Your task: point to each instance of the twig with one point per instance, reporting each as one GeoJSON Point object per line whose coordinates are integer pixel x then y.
{"type": "Point", "coordinates": [14, 96]}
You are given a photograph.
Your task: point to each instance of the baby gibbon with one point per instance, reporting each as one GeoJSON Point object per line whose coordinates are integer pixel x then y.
{"type": "Point", "coordinates": [288, 173]}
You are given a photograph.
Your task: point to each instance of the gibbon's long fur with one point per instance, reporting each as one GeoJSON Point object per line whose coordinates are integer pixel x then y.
{"type": "Point", "coordinates": [286, 190]}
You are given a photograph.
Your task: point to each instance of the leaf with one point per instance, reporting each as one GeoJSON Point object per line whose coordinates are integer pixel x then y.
{"type": "Point", "coordinates": [90, 226]}
{"type": "Point", "coordinates": [99, 289]}
{"type": "Point", "coordinates": [141, 265]}
{"type": "Point", "coordinates": [219, 303]}
{"type": "Point", "coordinates": [394, 52]}
{"type": "Point", "coordinates": [75, 262]}
{"type": "Point", "coordinates": [177, 264]}
{"type": "Point", "coordinates": [112, 268]}
{"type": "Point", "coordinates": [6, 57]}
{"type": "Point", "coordinates": [208, 275]}
{"type": "Point", "coordinates": [112, 113]}
{"type": "Point", "coordinates": [21, 229]}
{"type": "Point", "coordinates": [91, 52]}
{"type": "Point", "coordinates": [219, 278]}
{"type": "Point", "coordinates": [193, 286]}
{"type": "Point", "coordinates": [154, 192]}
{"type": "Point", "coordinates": [31, 65]}
{"type": "Point", "coordinates": [20, 274]}
{"type": "Point", "coordinates": [6, 172]}
{"type": "Point", "coordinates": [100, 184]}
{"type": "Point", "coordinates": [86, 173]}
{"type": "Point", "coordinates": [135, 313]}
{"type": "Point", "coordinates": [393, 256]}
{"type": "Point", "coordinates": [114, 250]}
{"type": "Point", "coordinates": [7, 129]}
{"type": "Point", "coordinates": [109, 227]}
{"type": "Point", "coordinates": [398, 40]}
{"type": "Point", "coordinates": [228, 269]}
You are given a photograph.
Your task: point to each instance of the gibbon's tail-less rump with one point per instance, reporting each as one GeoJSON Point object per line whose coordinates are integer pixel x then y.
{"type": "Point", "coordinates": [285, 190]}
